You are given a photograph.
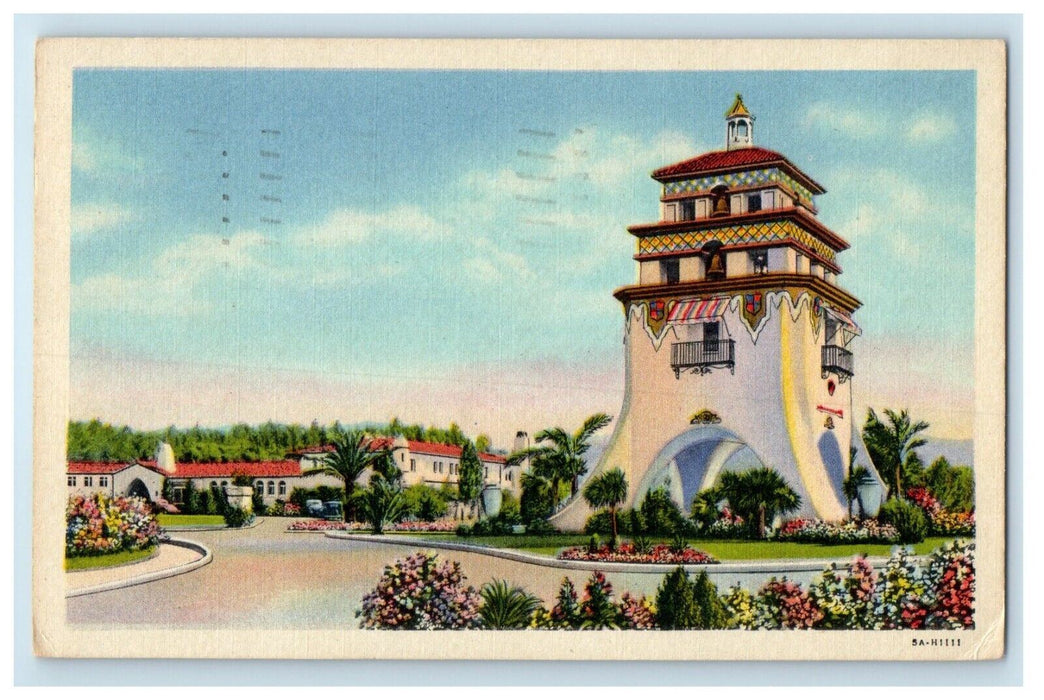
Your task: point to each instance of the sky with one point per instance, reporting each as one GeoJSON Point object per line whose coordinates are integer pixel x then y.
{"type": "Point", "coordinates": [442, 245]}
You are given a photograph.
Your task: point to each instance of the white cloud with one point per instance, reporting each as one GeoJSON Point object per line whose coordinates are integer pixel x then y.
{"type": "Point", "coordinates": [931, 128]}
{"type": "Point", "coordinates": [94, 153]}
{"type": "Point", "coordinates": [852, 122]}
{"type": "Point", "coordinates": [345, 227]}
{"type": "Point", "coordinates": [90, 217]}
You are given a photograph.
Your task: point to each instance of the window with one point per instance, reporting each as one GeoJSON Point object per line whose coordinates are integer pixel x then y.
{"type": "Point", "coordinates": [759, 261]}
{"type": "Point", "coordinates": [259, 487]}
{"type": "Point", "coordinates": [271, 488]}
{"type": "Point", "coordinates": [88, 481]}
{"type": "Point", "coordinates": [413, 465]}
{"type": "Point", "coordinates": [669, 272]}
{"type": "Point", "coordinates": [487, 472]}
{"type": "Point", "coordinates": [213, 484]}
{"type": "Point", "coordinates": [103, 481]}
{"type": "Point", "coordinates": [72, 481]}
{"type": "Point", "coordinates": [710, 337]}
{"type": "Point", "coordinates": [687, 210]}
{"type": "Point", "coordinates": [754, 203]}
{"type": "Point", "coordinates": [402, 457]}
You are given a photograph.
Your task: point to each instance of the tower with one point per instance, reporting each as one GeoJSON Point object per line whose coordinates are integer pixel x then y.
{"type": "Point", "coordinates": [737, 336]}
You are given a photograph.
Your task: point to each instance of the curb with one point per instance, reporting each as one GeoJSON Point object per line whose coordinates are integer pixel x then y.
{"type": "Point", "coordinates": [770, 566]}
{"type": "Point", "coordinates": [205, 559]}
{"type": "Point", "coordinates": [211, 528]}
{"type": "Point", "coordinates": [152, 555]}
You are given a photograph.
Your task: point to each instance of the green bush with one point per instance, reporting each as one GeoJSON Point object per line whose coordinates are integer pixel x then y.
{"type": "Point", "coordinates": [257, 501]}
{"type": "Point", "coordinates": [660, 514]}
{"type": "Point", "coordinates": [907, 518]}
{"type": "Point", "coordinates": [682, 603]}
{"type": "Point", "coordinates": [506, 607]}
{"type": "Point", "coordinates": [424, 503]}
{"type": "Point", "coordinates": [237, 517]}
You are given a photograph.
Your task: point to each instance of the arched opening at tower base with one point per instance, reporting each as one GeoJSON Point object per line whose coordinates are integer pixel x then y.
{"type": "Point", "coordinates": [693, 461]}
{"type": "Point", "coordinates": [138, 489]}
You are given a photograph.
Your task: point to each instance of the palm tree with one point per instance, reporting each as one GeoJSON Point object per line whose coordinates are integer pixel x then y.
{"type": "Point", "coordinates": [758, 495]}
{"type": "Point", "coordinates": [561, 458]}
{"type": "Point", "coordinates": [892, 444]}
{"type": "Point", "coordinates": [506, 607]}
{"type": "Point", "coordinates": [383, 503]}
{"type": "Point", "coordinates": [351, 456]}
{"type": "Point", "coordinates": [607, 490]}
{"type": "Point", "coordinates": [857, 476]}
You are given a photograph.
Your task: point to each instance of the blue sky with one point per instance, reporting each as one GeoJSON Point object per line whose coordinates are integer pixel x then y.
{"type": "Point", "coordinates": [387, 230]}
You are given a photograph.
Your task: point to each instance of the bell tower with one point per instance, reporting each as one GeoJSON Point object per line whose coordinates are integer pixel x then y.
{"type": "Point", "coordinates": [737, 336]}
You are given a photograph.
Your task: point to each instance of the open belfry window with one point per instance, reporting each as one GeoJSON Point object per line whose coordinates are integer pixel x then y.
{"type": "Point", "coordinates": [831, 336]}
{"type": "Point", "coordinates": [754, 202]}
{"type": "Point", "coordinates": [687, 209]}
{"type": "Point", "coordinates": [669, 271]}
{"type": "Point", "coordinates": [759, 261]}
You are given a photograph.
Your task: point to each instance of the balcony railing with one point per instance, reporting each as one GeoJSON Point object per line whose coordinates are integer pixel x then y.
{"type": "Point", "coordinates": [837, 360]}
{"type": "Point", "coordinates": [703, 356]}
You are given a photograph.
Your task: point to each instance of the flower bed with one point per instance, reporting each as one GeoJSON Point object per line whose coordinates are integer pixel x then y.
{"type": "Point", "coordinates": [98, 525]}
{"type": "Point", "coordinates": [406, 526]}
{"type": "Point", "coordinates": [943, 522]}
{"type": "Point", "coordinates": [627, 554]}
{"type": "Point", "coordinates": [821, 532]}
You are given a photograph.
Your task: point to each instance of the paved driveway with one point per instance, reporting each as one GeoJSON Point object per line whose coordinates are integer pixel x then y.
{"type": "Point", "coordinates": [266, 577]}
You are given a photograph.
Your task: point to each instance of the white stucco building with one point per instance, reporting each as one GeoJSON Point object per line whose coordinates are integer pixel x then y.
{"type": "Point", "coordinates": [737, 337]}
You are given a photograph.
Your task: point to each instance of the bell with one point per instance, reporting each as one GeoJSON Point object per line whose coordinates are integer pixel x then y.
{"type": "Point", "coordinates": [715, 267]}
{"type": "Point", "coordinates": [721, 206]}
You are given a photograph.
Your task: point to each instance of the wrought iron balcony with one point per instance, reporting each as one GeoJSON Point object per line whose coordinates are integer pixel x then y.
{"type": "Point", "coordinates": [703, 356]}
{"type": "Point", "coordinates": [837, 360]}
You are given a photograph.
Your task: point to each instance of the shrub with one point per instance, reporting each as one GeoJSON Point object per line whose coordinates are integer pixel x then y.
{"type": "Point", "coordinates": [566, 612]}
{"type": "Point", "coordinates": [597, 608]}
{"type": "Point", "coordinates": [98, 525]}
{"type": "Point", "coordinates": [636, 613]}
{"type": "Point", "coordinates": [661, 516]}
{"type": "Point", "coordinates": [237, 517]}
{"type": "Point", "coordinates": [682, 603]}
{"type": "Point", "coordinates": [257, 502]}
{"type": "Point", "coordinates": [907, 518]}
{"type": "Point", "coordinates": [899, 593]}
{"type": "Point", "coordinates": [506, 607]}
{"type": "Point", "coordinates": [950, 582]}
{"type": "Point", "coordinates": [540, 527]}
{"type": "Point", "coordinates": [424, 503]}
{"type": "Point", "coordinates": [419, 593]}
{"type": "Point", "coordinates": [783, 604]}
{"type": "Point", "coordinates": [846, 599]}
{"type": "Point", "coordinates": [382, 503]}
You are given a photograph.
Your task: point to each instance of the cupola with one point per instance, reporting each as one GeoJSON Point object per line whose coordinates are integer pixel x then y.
{"type": "Point", "coordinates": [739, 126]}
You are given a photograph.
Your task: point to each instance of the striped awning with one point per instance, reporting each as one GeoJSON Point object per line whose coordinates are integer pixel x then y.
{"type": "Point", "coordinates": [696, 310]}
{"type": "Point", "coordinates": [845, 320]}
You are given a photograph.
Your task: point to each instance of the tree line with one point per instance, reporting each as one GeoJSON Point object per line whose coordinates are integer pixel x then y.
{"type": "Point", "coordinates": [98, 441]}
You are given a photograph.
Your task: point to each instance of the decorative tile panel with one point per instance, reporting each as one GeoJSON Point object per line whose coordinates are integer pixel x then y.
{"type": "Point", "coordinates": [747, 178]}
{"type": "Point", "coordinates": [734, 235]}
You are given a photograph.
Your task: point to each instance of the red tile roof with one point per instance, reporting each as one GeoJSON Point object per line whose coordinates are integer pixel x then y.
{"type": "Point", "coordinates": [435, 449]}
{"type": "Point", "coordinates": [108, 467]}
{"type": "Point", "coordinates": [96, 467]}
{"type": "Point", "coordinates": [726, 160]}
{"type": "Point", "coordinates": [202, 470]}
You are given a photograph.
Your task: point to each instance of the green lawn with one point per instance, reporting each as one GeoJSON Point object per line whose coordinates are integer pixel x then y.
{"type": "Point", "coordinates": [723, 550]}
{"type": "Point", "coordinates": [77, 563]}
{"type": "Point", "coordinates": [168, 520]}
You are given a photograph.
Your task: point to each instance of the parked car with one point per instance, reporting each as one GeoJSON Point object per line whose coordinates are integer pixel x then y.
{"type": "Point", "coordinates": [332, 510]}
{"type": "Point", "coordinates": [314, 508]}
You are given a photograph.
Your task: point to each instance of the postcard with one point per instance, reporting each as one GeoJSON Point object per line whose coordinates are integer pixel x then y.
{"type": "Point", "coordinates": [520, 349]}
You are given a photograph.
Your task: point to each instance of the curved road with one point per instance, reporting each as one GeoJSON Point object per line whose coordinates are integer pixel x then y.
{"type": "Point", "coordinates": [265, 577]}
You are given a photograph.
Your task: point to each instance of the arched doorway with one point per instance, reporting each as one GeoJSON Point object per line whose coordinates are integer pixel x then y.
{"type": "Point", "coordinates": [138, 489]}
{"type": "Point", "coordinates": [693, 460]}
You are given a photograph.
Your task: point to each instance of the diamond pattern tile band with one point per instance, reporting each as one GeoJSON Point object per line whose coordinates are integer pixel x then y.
{"type": "Point", "coordinates": [743, 233]}
{"type": "Point", "coordinates": [746, 178]}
